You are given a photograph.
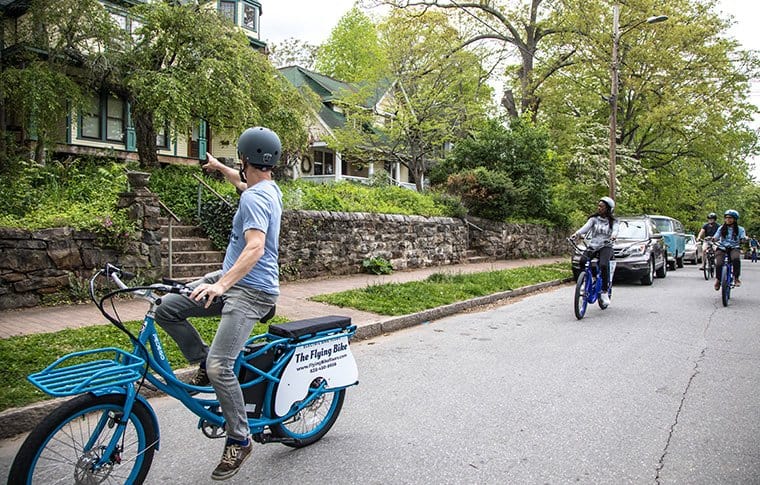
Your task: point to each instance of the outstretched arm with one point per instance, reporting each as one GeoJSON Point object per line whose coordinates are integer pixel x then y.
{"type": "Point", "coordinates": [232, 175]}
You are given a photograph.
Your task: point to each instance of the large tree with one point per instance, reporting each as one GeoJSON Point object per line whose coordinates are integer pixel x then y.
{"type": "Point", "coordinates": [183, 64]}
{"type": "Point", "coordinates": [516, 30]}
{"type": "Point", "coordinates": [683, 113]}
{"type": "Point", "coordinates": [62, 41]}
{"type": "Point", "coordinates": [437, 96]}
{"type": "Point", "coordinates": [353, 52]}
{"type": "Point", "coordinates": [187, 63]}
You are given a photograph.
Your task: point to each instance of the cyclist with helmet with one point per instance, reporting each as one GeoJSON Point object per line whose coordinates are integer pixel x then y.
{"type": "Point", "coordinates": [242, 292]}
{"type": "Point", "coordinates": [603, 228]}
{"type": "Point", "coordinates": [728, 237]}
{"type": "Point", "coordinates": [708, 230]}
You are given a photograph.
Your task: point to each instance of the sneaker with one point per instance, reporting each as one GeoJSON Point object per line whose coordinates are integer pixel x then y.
{"type": "Point", "coordinates": [605, 299]}
{"type": "Point", "coordinates": [717, 285]}
{"type": "Point", "coordinates": [737, 283]}
{"type": "Point", "coordinates": [233, 456]}
{"type": "Point", "coordinates": [200, 378]}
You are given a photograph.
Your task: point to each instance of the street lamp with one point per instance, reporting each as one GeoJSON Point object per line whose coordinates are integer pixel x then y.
{"type": "Point", "coordinates": [616, 35]}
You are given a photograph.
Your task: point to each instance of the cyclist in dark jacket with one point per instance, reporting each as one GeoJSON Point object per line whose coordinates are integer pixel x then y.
{"type": "Point", "coordinates": [708, 230]}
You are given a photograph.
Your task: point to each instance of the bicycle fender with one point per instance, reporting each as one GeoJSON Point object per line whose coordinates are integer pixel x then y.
{"type": "Point", "coordinates": [330, 360]}
{"type": "Point", "coordinates": [153, 417]}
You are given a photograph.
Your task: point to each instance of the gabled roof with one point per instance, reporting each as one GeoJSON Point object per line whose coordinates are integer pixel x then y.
{"type": "Point", "coordinates": [329, 89]}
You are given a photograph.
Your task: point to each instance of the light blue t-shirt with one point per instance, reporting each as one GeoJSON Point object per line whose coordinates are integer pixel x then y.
{"type": "Point", "coordinates": [732, 241]}
{"type": "Point", "coordinates": [260, 208]}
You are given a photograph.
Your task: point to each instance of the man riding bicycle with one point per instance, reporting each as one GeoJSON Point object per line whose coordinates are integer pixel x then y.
{"type": "Point", "coordinates": [728, 237]}
{"type": "Point", "coordinates": [708, 230]}
{"type": "Point", "coordinates": [753, 246]}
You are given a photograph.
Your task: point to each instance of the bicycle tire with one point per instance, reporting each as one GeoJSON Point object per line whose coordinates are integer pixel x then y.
{"type": "Point", "coordinates": [580, 303]}
{"type": "Point", "coordinates": [54, 451]}
{"type": "Point", "coordinates": [725, 285]}
{"type": "Point", "coordinates": [706, 270]}
{"type": "Point", "coordinates": [313, 422]}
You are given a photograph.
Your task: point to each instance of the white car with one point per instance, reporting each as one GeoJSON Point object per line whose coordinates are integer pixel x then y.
{"type": "Point", "coordinates": [693, 252]}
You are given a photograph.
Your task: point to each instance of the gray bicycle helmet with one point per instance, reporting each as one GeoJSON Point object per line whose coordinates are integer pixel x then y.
{"type": "Point", "coordinates": [732, 213]}
{"type": "Point", "coordinates": [610, 203]}
{"type": "Point", "coordinates": [260, 147]}
{"type": "Point", "coordinates": [712, 215]}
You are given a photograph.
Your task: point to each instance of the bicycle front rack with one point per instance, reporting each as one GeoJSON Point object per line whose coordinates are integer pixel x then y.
{"type": "Point", "coordinates": [66, 378]}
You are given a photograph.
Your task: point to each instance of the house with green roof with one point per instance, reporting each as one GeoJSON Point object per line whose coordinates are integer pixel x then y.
{"type": "Point", "coordinates": [323, 164]}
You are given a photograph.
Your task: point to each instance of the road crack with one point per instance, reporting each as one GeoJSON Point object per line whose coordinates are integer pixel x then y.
{"type": "Point", "coordinates": [661, 462]}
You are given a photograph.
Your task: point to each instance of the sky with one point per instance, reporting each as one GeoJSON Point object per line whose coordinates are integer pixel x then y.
{"type": "Point", "coordinates": [313, 20]}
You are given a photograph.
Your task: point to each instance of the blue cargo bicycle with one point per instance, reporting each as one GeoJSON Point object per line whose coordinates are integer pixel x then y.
{"type": "Point", "coordinates": [294, 379]}
{"type": "Point", "coordinates": [588, 286]}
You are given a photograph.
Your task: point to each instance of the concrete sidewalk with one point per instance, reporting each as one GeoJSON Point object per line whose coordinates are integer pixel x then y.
{"type": "Point", "coordinates": [293, 302]}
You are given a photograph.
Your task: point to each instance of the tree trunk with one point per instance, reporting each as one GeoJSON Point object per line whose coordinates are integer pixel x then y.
{"type": "Point", "coordinates": [145, 132]}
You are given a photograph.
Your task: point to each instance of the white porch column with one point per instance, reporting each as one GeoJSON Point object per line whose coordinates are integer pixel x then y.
{"type": "Point", "coordinates": [338, 167]}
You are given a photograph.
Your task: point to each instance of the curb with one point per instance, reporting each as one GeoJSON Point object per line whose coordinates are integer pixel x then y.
{"type": "Point", "coordinates": [15, 421]}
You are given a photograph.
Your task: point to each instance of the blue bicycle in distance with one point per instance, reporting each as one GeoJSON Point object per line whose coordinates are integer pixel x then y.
{"type": "Point", "coordinates": [588, 286]}
{"type": "Point", "coordinates": [294, 379]}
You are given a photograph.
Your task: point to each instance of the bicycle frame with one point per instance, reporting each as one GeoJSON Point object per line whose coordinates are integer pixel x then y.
{"type": "Point", "coordinates": [592, 284]}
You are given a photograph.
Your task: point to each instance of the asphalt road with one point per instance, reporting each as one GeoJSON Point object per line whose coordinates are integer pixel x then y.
{"type": "Point", "coordinates": [663, 387]}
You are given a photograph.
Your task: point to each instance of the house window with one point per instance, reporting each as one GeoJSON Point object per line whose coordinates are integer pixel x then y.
{"type": "Point", "coordinates": [120, 19]}
{"type": "Point", "coordinates": [162, 135]}
{"type": "Point", "coordinates": [90, 119]}
{"type": "Point", "coordinates": [323, 163]}
{"type": "Point", "coordinates": [114, 119]}
{"type": "Point", "coordinates": [103, 118]}
{"type": "Point", "coordinates": [227, 10]}
{"type": "Point", "coordinates": [250, 17]}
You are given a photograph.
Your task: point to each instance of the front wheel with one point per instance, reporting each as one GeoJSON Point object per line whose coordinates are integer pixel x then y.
{"type": "Point", "coordinates": [707, 269]}
{"type": "Point", "coordinates": [725, 285]}
{"type": "Point", "coordinates": [580, 297]}
{"type": "Point", "coordinates": [648, 278]}
{"type": "Point", "coordinates": [314, 421]}
{"type": "Point", "coordinates": [67, 446]}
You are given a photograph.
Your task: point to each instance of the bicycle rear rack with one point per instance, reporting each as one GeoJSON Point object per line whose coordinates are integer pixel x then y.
{"type": "Point", "coordinates": [90, 374]}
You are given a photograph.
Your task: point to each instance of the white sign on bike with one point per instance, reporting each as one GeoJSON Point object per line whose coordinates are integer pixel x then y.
{"type": "Point", "coordinates": [331, 360]}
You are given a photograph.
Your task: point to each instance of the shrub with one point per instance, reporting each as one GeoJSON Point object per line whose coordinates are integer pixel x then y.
{"type": "Point", "coordinates": [485, 193]}
{"type": "Point", "coordinates": [216, 220]}
{"type": "Point", "coordinates": [78, 193]}
{"type": "Point", "coordinates": [377, 266]}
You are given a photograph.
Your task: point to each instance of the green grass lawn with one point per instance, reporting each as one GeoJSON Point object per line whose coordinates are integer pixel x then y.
{"type": "Point", "coordinates": [24, 355]}
{"type": "Point", "coordinates": [442, 289]}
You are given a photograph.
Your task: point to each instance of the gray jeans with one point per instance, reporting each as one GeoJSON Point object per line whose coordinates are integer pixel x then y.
{"type": "Point", "coordinates": [240, 307]}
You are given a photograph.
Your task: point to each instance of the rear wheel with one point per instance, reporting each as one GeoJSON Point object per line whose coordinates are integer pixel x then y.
{"type": "Point", "coordinates": [313, 421]}
{"type": "Point", "coordinates": [580, 303]}
{"type": "Point", "coordinates": [725, 285]}
{"type": "Point", "coordinates": [648, 278]}
{"type": "Point", "coordinates": [69, 443]}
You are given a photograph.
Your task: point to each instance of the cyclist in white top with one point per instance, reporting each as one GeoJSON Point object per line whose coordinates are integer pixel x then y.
{"type": "Point", "coordinates": [603, 228]}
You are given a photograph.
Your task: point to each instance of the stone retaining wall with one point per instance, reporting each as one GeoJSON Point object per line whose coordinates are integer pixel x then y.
{"type": "Point", "coordinates": [312, 244]}
{"type": "Point", "coordinates": [316, 243]}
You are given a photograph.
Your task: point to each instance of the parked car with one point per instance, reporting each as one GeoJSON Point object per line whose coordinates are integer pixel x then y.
{"type": "Point", "coordinates": [693, 252]}
{"type": "Point", "coordinates": [675, 239]}
{"type": "Point", "coordinates": [640, 251]}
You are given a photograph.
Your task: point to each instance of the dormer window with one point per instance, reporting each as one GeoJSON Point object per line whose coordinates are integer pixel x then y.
{"type": "Point", "coordinates": [243, 13]}
{"type": "Point", "coordinates": [250, 17]}
{"type": "Point", "coordinates": [227, 9]}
